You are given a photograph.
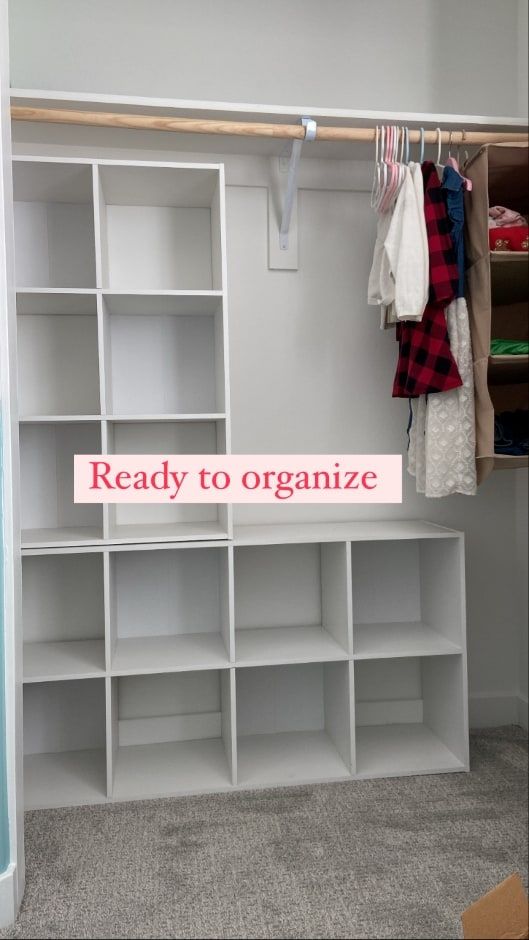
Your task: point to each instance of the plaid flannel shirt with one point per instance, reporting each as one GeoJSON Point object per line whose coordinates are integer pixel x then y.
{"type": "Point", "coordinates": [425, 361]}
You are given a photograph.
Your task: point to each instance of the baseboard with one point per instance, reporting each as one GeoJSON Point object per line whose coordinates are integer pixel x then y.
{"type": "Point", "coordinates": [522, 711]}
{"type": "Point", "coordinates": [8, 896]}
{"type": "Point", "coordinates": [493, 709]}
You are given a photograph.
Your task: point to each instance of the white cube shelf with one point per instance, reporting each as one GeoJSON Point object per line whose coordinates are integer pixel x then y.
{"type": "Point", "coordinates": [293, 724]}
{"type": "Point", "coordinates": [135, 522]}
{"type": "Point", "coordinates": [54, 224]}
{"type": "Point", "coordinates": [49, 514]}
{"type": "Point", "coordinates": [172, 733]}
{"type": "Point", "coordinates": [63, 616]}
{"type": "Point", "coordinates": [166, 354]}
{"type": "Point", "coordinates": [291, 603]}
{"type": "Point", "coordinates": [64, 743]}
{"type": "Point", "coordinates": [169, 610]}
{"type": "Point", "coordinates": [400, 606]}
{"type": "Point", "coordinates": [58, 361]}
{"type": "Point", "coordinates": [159, 227]}
{"type": "Point", "coordinates": [410, 716]}
{"type": "Point", "coordinates": [243, 664]}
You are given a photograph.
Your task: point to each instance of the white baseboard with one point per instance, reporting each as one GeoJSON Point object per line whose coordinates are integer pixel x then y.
{"type": "Point", "coordinates": [522, 711]}
{"type": "Point", "coordinates": [493, 709]}
{"type": "Point", "coordinates": [8, 896]}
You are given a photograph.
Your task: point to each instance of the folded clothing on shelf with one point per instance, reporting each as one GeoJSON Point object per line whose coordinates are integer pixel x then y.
{"type": "Point", "coordinates": [511, 433]}
{"type": "Point", "coordinates": [510, 238]}
{"type": "Point", "coordinates": [500, 216]}
{"type": "Point", "coordinates": [509, 347]}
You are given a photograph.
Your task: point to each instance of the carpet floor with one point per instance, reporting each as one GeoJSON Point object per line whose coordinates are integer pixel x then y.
{"type": "Point", "coordinates": [396, 858]}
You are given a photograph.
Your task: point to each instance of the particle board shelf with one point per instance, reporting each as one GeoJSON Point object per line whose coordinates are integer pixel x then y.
{"type": "Point", "coordinates": [395, 640]}
{"type": "Point", "coordinates": [287, 758]}
{"type": "Point", "coordinates": [160, 418]}
{"type": "Point", "coordinates": [271, 645]}
{"type": "Point", "coordinates": [166, 532]}
{"type": "Point", "coordinates": [162, 303]}
{"type": "Point", "coordinates": [394, 750]}
{"type": "Point", "coordinates": [68, 778]}
{"type": "Point", "coordinates": [159, 654]}
{"type": "Point", "coordinates": [64, 537]}
{"type": "Point", "coordinates": [147, 771]}
{"type": "Point", "coordinates": [71, 659]}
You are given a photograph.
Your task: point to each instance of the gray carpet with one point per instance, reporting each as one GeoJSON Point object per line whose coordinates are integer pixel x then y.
{"type": "Point", "coordinates": [375, 859]}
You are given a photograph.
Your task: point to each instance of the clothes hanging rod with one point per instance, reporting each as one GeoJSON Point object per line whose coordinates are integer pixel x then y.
{"type": "Point", "coordinates": [185, 125]}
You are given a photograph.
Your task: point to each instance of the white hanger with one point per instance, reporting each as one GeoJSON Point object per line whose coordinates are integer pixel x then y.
{"type": "Point", "coordinates": [421, 157]}
{"type": "Point", "coordinates": [439, 145]}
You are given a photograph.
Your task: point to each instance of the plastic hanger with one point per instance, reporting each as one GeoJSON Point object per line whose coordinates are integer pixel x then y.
{"type": "Point", "coordinates": [453, 162]}
{"type": "Point", "coordinates": [439, 146]}
{"type": "Point", "coordinates": [421, 155]}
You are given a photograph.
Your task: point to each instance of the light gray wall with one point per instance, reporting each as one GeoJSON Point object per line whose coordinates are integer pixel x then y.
{"type": "Point", "coordinates": [415, 55]}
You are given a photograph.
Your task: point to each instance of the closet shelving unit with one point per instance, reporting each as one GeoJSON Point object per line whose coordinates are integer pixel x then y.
{"type": "Point", "coordinates": [289, 654]}
{"type": "Point", "coordinates": [122, 336]}
{"type": "Point", "coordinates": [166, 653]}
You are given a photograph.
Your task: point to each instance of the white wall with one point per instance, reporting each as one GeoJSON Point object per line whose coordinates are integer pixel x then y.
{"type": "Point", "coordinates": [415, 55]}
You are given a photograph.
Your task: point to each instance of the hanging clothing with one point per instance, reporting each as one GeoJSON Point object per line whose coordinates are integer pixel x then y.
{"type": "Point", "coordinates": [444, 273]}
{"type": "Point", "coordinates": [398, 281]}
{"type": "Point", "coordinates": [425, 362]}
{"type": "Point", "coordinates": [453, 188]}
{"type": "Point", "coordinates": [442, 447]}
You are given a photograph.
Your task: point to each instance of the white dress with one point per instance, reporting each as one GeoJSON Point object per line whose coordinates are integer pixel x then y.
{"type": "Point", "coordinates": [442, 451]}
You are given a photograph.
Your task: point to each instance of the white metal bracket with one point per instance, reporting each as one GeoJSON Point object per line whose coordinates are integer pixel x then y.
{"type": "Point", "coordinates": [282, 203]}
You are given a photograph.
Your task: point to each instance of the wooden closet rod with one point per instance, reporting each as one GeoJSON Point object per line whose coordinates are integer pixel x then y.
{"type": "Point", "coordinates": [184, 125]}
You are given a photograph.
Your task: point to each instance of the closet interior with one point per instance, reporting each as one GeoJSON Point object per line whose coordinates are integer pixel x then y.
{"type": "Point", "coordinates": [165, 651]}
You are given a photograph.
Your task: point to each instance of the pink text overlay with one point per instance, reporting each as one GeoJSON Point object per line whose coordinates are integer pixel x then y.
{"type": "Point", "coordinates": [261, 478]}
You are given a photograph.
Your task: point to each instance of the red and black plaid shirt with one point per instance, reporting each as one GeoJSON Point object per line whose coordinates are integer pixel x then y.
{"type": "Point", "coordinates": [425, 361]}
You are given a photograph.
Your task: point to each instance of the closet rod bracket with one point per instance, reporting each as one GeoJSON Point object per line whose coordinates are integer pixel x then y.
{"type": "Point", "coordinates": [292, 180]}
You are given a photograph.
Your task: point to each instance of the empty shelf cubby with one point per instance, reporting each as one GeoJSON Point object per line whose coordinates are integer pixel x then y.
{"type": "Point", "coordinates": [291, 603]}
{"type": "Point", "coordinates": [49, 514]}
{"type": "Point", "coordinates": [174, 520]}
{"type": "Point", "coordinates": [293, 723]}
{"type": "Point", "coordinates": [411, 716]}
{"type": "Point", "coordinates": [58, 366]}
{"type": "Point", "coordinates": [160, 227]}
{"type": "Point", "coordinates": [169, 609]}
{"type": "Point", "coordinates": [64, 743]}
{"type": "Point", "coordinates": [401, 606]}
{"type": "Point", "coordinates": [166, 354]}
{"type": "Point", "coordinates": [54, 224]}
{"type": "Point", "coordinates": [172, 733]}
{"type": "Point", "coordinates": [63, 616]}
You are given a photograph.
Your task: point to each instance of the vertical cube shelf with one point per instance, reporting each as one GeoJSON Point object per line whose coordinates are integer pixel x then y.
{"type": "Point", "coordinates": [170, 520]}
{"type": "Point", "coordinates": [172, 733]}
{"type": "Point", "coordinates": [64, 743]}
{"type": "Point", "coordinates": [169, 609]}
{"type": "Point", "coordinates": [63, 616]}
{"type": "Point", "coordinates": [402, 605]}
{"type": "Point", "coordinates": [294, 723]}
{"type": "Point", "coordinates": [165, 355]}
{"type": "Point", "coordinates": [58, 364]}
{"type": "Point", "coordinates": [160, 227]}
{"type": "Point", "coordinates": [411, 716]}
{"type": "Point", "coordinates": [291, 603]}
{"type": "Point", "coordinates": [54, 224]}
{"type": "Point", "coordinates": [48, 513]}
